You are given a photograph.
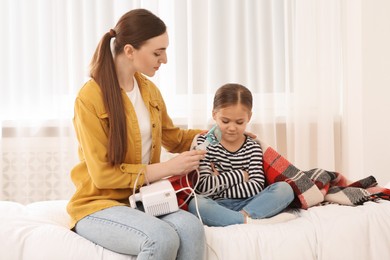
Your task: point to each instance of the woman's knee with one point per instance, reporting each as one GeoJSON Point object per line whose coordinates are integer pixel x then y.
{"type": "Point", "coordinates": [194, 226]}
{"type": "Point", "coordinates": [191, 233]}
{"type": "Point", "coordinates": [131, 232]}
{"type": "Point", "coordinates": [185, 224]}
{"type": "Point", "coordinates": [163, 240]}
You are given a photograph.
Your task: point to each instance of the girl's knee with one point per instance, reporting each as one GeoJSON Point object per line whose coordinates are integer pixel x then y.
{"type": "Point", "coordinates": [192, 206]}
{"type": "Point", "coordinates": [196, 204]}
{"type": "Point", "coordinates": [285, 190]}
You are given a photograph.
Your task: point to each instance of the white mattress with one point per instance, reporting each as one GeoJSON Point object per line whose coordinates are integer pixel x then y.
{"type": "Point", "coordinates": [39, 231]}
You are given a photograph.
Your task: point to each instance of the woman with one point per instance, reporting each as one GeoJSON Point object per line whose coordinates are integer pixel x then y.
{"type": "Point", "coordinates": [121, 123]}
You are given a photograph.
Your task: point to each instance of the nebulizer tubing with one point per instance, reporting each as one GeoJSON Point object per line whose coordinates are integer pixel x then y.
{"type": "Point", "coordinates": [212, 137]}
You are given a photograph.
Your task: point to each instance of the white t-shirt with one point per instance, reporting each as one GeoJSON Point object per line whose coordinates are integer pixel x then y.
{"type": "Point", "coordinates": [144, 124]}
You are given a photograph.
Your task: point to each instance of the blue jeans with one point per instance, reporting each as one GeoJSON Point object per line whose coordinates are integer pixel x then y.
{"type": "Point", "coordinates": [179, 235]}
{"type": "Point", "coordinates": [223, 212]}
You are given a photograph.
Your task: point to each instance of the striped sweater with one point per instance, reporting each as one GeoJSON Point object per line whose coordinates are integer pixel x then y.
{"type": "Point", "coordinates": [229, 183]}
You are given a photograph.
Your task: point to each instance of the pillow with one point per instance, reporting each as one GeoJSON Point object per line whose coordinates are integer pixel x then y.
{"type": "Point", "coordinates": [10, 209]}
{"type": "Point", "coordinates": [52, 211]}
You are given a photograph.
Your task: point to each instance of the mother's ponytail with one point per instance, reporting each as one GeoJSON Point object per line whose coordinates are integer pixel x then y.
{"type": "Point", "coordinates": [103, 72]}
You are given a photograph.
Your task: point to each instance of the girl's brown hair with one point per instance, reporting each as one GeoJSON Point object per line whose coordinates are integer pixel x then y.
{"type": "Point", "coordinates": [232, 94]}
{"type": "Point", "coordinates": [134, 27]}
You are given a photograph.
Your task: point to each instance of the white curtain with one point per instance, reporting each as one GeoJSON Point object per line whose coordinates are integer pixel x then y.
{"type": "Point", "coordinates": [289, 53]}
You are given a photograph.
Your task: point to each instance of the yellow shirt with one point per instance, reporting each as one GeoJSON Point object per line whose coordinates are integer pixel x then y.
{"type": "Point", "coordinates": [98, 184]}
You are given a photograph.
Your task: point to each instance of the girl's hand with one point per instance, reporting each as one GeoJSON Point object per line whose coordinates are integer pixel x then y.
{"type": "Point", "coordinates": [246, 176]}
{"type": "Point", "coordinates": [215, 171]}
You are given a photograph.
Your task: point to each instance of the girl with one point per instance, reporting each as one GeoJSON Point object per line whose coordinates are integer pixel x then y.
{"type": "Point", "coordinates": [232, 172]}
{"type": "Point", "coordinates": [121, 123]}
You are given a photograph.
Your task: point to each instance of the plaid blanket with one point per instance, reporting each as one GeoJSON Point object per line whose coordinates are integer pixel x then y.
{"type": "Point", "coordinates": [317, 186]}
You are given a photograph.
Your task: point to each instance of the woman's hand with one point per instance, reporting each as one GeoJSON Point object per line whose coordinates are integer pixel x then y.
{"type": "Point", "coordinates": [183, 163]}
{"type": "Point", "coordinates": [252, 135]}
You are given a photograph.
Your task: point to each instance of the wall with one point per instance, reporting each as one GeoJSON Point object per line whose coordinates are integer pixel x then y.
{"type": "Point", "coordinates": [376, 88]}
{"type": "Point", "coordinates": [37, 168]}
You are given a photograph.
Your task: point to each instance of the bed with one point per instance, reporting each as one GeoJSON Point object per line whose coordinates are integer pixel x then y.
{"type": "Point", "coordinates": [39, 231]}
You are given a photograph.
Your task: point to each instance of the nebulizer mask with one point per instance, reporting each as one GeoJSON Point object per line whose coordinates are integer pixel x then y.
{"type": "Point", "coordinates": [212, 137]}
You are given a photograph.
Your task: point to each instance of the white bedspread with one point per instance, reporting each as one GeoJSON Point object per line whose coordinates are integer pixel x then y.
{"type": "Point", "coordinates": [325, 232]}
{"type": "Point", "coordinates": [39, 231]}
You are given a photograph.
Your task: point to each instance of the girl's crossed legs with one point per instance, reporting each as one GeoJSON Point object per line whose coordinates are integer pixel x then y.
{"type": "Point", "coordinates": [223, 212]}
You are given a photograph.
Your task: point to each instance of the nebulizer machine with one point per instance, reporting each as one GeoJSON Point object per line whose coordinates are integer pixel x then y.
{"type": "Point", "coordinates": [159, 198]}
